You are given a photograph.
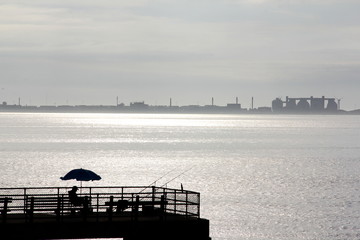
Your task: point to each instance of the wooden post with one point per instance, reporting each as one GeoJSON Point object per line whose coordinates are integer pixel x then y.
{"type": "Point", "coordinates": [186, 204]}
{"type": "Point", "coordinates": [162, 204]}
{"type": "Point", "coordinates": [162, 207]}
{"type": "Point", "coordinates": [97, 207]}
{"type": "Point", "coordinates": [24, 201]}
{"type": "Point", "coordinates": [110, 209]}
{"type": "Point", "coordinates": [58, 208]}
{"type": "Point", "coordinates": [31, 211]}
{"type": "Point", "coordinates": [153, 193]}
{"type": "Point", "coordinates": [85, 209]}
{"type": "Point", "coordinates": [62, 205]}
{"type": "Point", "coordinates": [5, 210]}
{"type": "Point", "coordinates": [175, 201]}
{"type": "Point", "coordinates": [137, 207]}
{"type": "Point", "coordinates": [198, 211]}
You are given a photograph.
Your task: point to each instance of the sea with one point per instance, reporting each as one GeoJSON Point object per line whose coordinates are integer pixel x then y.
{"type": "Point", "coordinates": [260, 176]}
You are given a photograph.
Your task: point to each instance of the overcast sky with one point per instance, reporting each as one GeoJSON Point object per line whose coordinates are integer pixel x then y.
{"type": "Point", "coordinates": [90, 52]}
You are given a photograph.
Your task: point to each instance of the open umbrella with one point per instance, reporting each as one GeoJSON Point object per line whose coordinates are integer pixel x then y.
{"type": "Point", "coordinates": [81, 174]}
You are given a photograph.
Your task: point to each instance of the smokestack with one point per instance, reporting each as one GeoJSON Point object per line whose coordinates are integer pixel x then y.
{"type": "Point", "coordinates": [212, 101]}
{"type": "Point", "coordinates": [117, 101]}
{"type": "Point", "coordinates": [252, 103]}
{"type": "Point", "coordinates": [237, 100]}
{"type": "Point", "coordinates": [170, 102]}
{"type": "Point", "coordinates": [19, 102]}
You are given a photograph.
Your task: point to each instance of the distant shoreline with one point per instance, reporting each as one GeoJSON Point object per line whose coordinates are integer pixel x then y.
{"type": "Point", "coordinates": [304, 106]}
{"type": "Point", "coordinates": [192, 109]}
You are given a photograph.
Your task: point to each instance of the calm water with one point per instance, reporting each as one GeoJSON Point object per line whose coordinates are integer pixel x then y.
{"type": "Point", "coordinates": [260, 176]}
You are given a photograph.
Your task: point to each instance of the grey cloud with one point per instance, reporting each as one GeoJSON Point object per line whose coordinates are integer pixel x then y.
{"type": "Point", "coordinates": [187, 49]}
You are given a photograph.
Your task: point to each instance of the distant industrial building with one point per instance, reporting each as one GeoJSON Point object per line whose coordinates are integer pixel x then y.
{"type": "Point", "coordinates": [292, 105]}
{"type": "Point", "coordinates": [310, 104]}
{"type": "Point", "coordinates": [234, 106]}
{"type": "Point", "coordinates": [139, 106]}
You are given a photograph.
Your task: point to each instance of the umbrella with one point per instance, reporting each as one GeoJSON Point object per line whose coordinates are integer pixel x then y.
{"type": "Point", "coordinates": [81, 174]}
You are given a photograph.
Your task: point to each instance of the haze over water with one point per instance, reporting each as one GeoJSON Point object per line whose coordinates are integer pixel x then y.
{"type": "Point", "coordinates": [260, 176]}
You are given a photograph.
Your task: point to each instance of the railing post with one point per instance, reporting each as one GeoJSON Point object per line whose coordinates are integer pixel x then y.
{"type": "Point", "coordinates": [110, 209]}
{"type": "Point", "coordinates": [5, 210]}
{"type": "Point", "coordinates": [62, 205]}
{"type": "Point", "coordinates": [198, 206]}
{"type": "Point", "coordinates": [24, 200]}
{"type": "Point", "coordinates": [97, 207]}
{"type": "Point", "coordinates": [153, 193]}
{"type": "Point", "coordinates": [58, 208]}
{"type": "Point", "coordinates": [162, 207]}
{"type": "Point", "coordinates": [175, 201]}
{"type": "Point", "coordinates": [162, 203]}
{"type": "Point", "coordinates": [86, 208]}
{"type": "Point", "coordinates": [137, 207]}
{"type": "Point", "coordinates": [186, 204]}
{"type": "Point", "coordinates": [132, 206]}
{"type": "Point", "coordinates": [31, 211]}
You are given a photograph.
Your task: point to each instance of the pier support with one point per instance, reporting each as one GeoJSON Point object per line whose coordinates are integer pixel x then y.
{"type": "Point", "coordinates": [171, 228]}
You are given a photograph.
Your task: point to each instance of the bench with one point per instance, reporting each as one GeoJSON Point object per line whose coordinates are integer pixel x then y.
{"type": "Point", "coordinates": [120, 205]}
{"type": "Point", "coordinates": [5, 201]}
{"type": "Point", "coordinates": [57, 205]}
{"type": "Point", "coordinates": [147, 206]}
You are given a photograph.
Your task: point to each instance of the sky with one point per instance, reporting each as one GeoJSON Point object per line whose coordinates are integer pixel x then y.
{"type": "Point", "coordinates": [91, 52]}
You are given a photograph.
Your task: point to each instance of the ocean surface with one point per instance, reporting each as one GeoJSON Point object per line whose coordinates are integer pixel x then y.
{"type": "Point", "coordinates": [272, 177]}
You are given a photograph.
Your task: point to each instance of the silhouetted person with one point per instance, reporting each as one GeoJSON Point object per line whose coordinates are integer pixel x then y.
{"type": "Point", "coordinates": [74, 199]}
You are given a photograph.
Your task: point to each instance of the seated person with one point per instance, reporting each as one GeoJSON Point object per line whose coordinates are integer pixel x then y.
{"type": "Point", "coordinates": [74, 199]}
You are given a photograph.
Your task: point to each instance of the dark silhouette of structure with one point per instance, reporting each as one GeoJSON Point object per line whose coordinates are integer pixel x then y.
{"type": "Point", "coordinates": [310, 104]}
{"type": "Point", "coordinates": [128, 212]}
{"type": "Point", "coordinates": [234, 106]}
{"type": "Point", "coordinates": [139, 105]}
{"type": "Point", "coordinates": [293, 105]}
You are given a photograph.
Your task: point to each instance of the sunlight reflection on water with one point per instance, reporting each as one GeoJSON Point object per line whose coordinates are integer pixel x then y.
{"type": "Point", "coordinates": [260, 176]}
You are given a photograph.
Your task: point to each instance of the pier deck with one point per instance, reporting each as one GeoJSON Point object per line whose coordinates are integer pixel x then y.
{"type": "Point", "coordinates": [112, 212]}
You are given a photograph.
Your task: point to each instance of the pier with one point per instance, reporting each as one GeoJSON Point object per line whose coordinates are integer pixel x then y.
{"type": "Point", "coordinates": [106, 212]}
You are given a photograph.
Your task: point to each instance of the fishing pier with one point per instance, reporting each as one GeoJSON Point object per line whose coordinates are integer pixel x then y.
{"type": "Point", "coordinates": [106, 212]}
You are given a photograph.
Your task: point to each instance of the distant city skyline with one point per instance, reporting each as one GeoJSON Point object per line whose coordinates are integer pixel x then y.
{"type": "Point", "coordinates": [76, 52]}
{"type": "Point", "coordinates": [325, 102]}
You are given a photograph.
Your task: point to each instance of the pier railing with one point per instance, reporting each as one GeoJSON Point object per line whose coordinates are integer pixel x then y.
{"type": "Point", "coordinates": [102, 201]}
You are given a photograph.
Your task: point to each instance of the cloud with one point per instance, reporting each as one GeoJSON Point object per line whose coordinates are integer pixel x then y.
{"type": "Point", "coordinates": [195, 45]}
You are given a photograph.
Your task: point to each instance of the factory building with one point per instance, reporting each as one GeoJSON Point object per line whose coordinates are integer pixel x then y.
{"type": "Point", "coordinates": [304, 105]}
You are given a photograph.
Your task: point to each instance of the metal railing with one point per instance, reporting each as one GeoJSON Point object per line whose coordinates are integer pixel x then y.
{"type": "Point", "coordinates": [103, 201]}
